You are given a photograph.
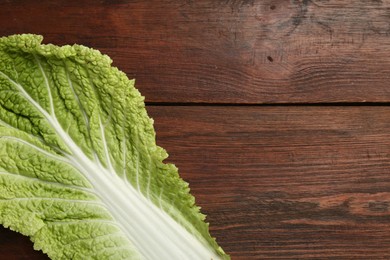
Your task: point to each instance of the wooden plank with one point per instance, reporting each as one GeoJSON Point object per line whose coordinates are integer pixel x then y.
{"type": "Point", "coordinates": [286, 183]}
{"type": "Point", "coordinates": [282, 182]}
{"type": "Point", "coordinates": [239, 51]}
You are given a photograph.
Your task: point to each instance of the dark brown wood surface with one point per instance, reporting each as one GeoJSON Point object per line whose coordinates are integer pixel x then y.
{"type": "Point", "coordinates": [227, 51]}
{"type": "Point", "coordinates": [286, 181]}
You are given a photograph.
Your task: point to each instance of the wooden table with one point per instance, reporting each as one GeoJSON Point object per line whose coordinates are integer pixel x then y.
{"type": "Point", "coordinates": [275, 112]}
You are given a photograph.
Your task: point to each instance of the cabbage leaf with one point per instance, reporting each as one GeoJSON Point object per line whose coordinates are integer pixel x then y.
{"type": "Point", "coordinates": [80, 171]}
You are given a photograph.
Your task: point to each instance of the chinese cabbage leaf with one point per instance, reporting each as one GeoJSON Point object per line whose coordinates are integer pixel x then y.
{"type": "Point", "coordinates": [80, 171]}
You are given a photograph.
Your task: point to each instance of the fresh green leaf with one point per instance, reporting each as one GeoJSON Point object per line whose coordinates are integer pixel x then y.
{"type": "Point", "coordinates": [80, 171]}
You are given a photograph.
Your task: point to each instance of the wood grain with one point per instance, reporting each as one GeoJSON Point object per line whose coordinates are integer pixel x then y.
{"type": "Point", "coordinates": [286, 183]}
{"type": "Point", "coordinates": [227, 51]}
{"type": "Point", "coordinates": [277, 183]}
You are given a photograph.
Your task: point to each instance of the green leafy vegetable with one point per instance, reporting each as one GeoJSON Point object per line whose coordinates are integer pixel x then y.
{"type": "Point", "coordinates": [80, 172]}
